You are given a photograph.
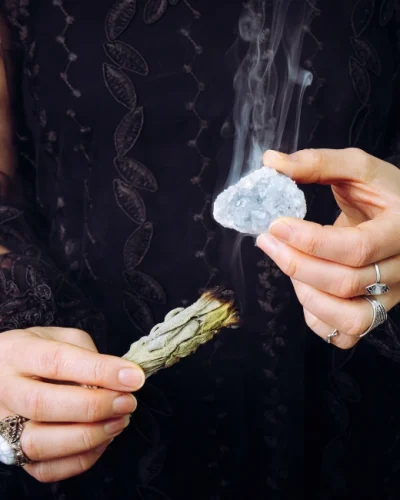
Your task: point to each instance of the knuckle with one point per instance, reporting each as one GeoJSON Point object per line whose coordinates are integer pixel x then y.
{"type": "Point", "coordinates": [346, 343]}
{"type": "Point", "coordinates": [316, 162]}
{"type": "Point", "coordinates": [99, 370]}
{"type": "Point", "coordinates": [355, 326]}
{"type": "Point", "coordinates": [312, 246]}
{"type": "Point", "coordinates": [33, 404]}
{"type": "Point", "coordinates": [362, 163]}
{"type": "Point", "coordinates": [365, 252]}
{"type": "Point", "coordinates": [311, 321]}
{"type": "Point", "coordinates": [84, 463]}
{"type": "Point", "coordinates": [359, 156]}
{"type": "Point", "coordinates": [305, 297]}
{"type": "Point", "coordinates": [349, 285]}
{"type": "Point", "coordinates": [87, 439]}
{"type": "Point", "coordinates": [43, 472]}
{"type": "Point", "coordinates": [94, 409]}
{"type": "Point", "coordinates": [32, 449]}
{"type": "Point", "coordinates": [51, 361]}
{"type": "Point", "coordinates": [290, 267]}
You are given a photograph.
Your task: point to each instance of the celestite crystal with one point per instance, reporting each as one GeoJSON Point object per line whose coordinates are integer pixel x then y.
{"type": "Point", "coordinates": [257, 199]}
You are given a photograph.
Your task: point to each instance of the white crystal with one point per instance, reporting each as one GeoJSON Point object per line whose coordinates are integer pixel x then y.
{"type": "Point", "coordinates": [257, 199]}
{"type": "Point", "coordinates": [7, 455]}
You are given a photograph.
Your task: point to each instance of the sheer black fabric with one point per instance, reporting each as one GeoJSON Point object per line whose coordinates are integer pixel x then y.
{"type": "Point", "coordinates": [122, 106]}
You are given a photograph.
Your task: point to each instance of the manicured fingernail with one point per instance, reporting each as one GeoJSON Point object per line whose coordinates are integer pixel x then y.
{"type": "Point", "coordinates": [281, 230]}
{"type": "Point", "coordinates": [124, 404]}
{"type": "Point", "coordinates": [274, 155]}
{"type": "Point", "coordinates": [267, 243]}
{"type": "Point", "coordinates": [117, 425]}
{"type": "Point", "coordinates": [103, 446]}
{"type": "Point", "coordinates": [132, 378]}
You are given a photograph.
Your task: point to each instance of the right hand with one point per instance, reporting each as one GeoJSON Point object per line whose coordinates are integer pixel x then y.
{"type": "Point", "coordinates": [69, 426]}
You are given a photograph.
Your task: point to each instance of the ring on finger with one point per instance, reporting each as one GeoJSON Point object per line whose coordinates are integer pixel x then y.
{"type": "Point", "coordinates": [377, 288]}
{"type": "Point", "coordinates": [11, 452]}
{"type": "Point", "coordinates": [379, 315]}
{"type": "Point", "coordinates": [328, 339]}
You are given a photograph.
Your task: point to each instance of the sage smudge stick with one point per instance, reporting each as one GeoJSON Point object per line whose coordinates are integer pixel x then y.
{"type": "Point", "coordinates": [184, 330]}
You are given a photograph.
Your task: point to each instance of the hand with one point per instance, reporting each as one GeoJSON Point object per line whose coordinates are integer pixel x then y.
{"type": "Point", "coordinates": [330, 266]}
{"type": "Point", "coordinates": [41, 370]}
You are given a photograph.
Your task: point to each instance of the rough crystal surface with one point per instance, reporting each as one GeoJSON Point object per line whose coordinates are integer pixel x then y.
{"type": "Point", "coordinates": [257, 199]}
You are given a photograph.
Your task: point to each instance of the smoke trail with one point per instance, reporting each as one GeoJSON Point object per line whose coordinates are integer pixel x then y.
{"type": "Point", "coordinates": [269, 82]}
{"type": "Point", "coordinates": [269, 90]}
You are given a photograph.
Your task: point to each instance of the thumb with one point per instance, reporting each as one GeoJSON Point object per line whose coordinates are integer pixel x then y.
{"type": "Point", "coordinates": [326, 166]}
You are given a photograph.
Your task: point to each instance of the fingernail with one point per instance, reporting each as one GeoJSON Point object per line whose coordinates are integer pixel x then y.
{"type": "Point", "coordinates": [267, 243]}
{"type": "Point", "coordinates": [117, 425]}
{"type": "Point", "coordinates": [132, 378]}
{"type": "Point", "coordinates": [273, 155]}
{"type": "Point", "coordinates": [281, 230]}
{"type": "Point", "coordinates": [124, 404]}
{"type": "Point", "coordinates": [103, 446]}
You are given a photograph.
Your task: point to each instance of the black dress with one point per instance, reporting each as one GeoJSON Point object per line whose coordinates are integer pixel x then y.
{"type": "Point", "coordinates": [125, 135]}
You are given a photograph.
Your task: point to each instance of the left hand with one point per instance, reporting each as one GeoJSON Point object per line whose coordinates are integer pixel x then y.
{"type": "Point", "coordinates": [330, 266]}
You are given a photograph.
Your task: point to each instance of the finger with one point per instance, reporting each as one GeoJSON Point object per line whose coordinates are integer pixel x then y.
{"type": "Point", "coordinates": [359, 246]}
{"type": "Point", "coordinates": [69, 335]}
{"type": "Point", "coordinates": [342, 341]}
{"type": "Point", "coordinates": [349, 316]}
{"type": "Point", "coordinates": [45, 402]}
{"type": "Point", "coordinates": [334, 279]}
{"type": "Point", "coordinates": [328, 166]}
{"type": "Point", "coordinates": [44, 442]}
{"type": "Point", "coordinates": [57, 470]}
{"type": "Point", "coordinates": [51, 359]}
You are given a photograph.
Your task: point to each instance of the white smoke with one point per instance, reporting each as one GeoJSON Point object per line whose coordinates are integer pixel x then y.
{"type": "Point", "coordinates": [270, 82]}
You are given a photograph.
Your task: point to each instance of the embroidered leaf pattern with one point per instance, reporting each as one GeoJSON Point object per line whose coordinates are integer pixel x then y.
{"type": "Point", "coordinates": [8, 213]}
{"type": "Point", "coordinates": [358, 125]}
{"type": "Point", "coordinates": [137, 245]}
{"type": "Point", "coordinates": [362, 15]}
{"type": "Point", "coordinates": [151, 464]}
{"type": "Point", "coordinates": [30, 276]}
{"type": "Point", "coordinates": [119, 17]}
{"type": "Point", "coordinates": [129, 201]}
{"type": "Point", "coordinates": [126, 57]}
{"type": "Point", "coordinates": [361, 80]}
{"type": "Point", "coordinates": [128, 131]}
{"type": "Point", "coordinates": [120, 86]}
{"type": "Point", "coordinates": [386, 12]}
{"type": "Point", "coordinates": [153, 10]}
{"type": "Point", "coordinates": [135, 173]}
{"type": "Point", "coordinates": [144, 286]}
{"type": "Point", "coordinates": [367, 55]}
{"type": "Point", "coordinates": [138, 312]}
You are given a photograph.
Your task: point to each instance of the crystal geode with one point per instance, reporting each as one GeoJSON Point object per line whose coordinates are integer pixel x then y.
{"type": "Point", "coordinates": [257, 199]}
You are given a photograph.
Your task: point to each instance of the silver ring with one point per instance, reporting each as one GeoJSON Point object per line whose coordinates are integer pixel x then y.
{"type": "Point", "coordinates": [379, 315]}
{"type": "Point", "coordinates": [10, 441]}
{"type": "Point", "coordinates": [329, 337]}
{"type": "Point", "coordinates": [377, 288]}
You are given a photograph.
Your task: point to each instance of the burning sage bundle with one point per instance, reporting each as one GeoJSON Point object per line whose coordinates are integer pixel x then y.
{"type": "Point", "coordinates": [184, 330]}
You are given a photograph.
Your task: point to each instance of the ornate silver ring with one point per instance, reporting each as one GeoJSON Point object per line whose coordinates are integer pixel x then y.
{"type": "Point", "coordinates": [10, 441]}
{"type": "Point", "coordinates": [377, 288]}
{"type": "Point", "coordinates": [379, 315]}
